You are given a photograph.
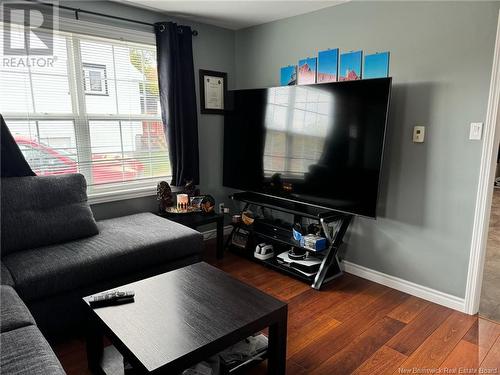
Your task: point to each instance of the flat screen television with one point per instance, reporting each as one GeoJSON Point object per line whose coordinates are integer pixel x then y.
{"type": "Point", "coordinates": [320, 144]}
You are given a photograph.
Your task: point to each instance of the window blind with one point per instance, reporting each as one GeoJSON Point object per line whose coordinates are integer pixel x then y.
{"type": "Point", "coordinates": [94, 110]}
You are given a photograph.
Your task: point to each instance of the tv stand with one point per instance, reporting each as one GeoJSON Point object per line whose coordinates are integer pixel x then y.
{"type": "Point", "coordinates": [333, 223]}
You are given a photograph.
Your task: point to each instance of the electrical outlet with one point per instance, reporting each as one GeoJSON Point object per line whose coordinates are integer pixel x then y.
{"type": "Point", "coordinates": [476, 131]}
{"type": "Point", "coordinates": [221, 208]}
{"type": "Point", "coordinates": [418, 134]}
{"type": "Point", "coordinates": [226, 210]}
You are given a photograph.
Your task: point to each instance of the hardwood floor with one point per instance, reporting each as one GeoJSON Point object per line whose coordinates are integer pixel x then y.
{"type": "Point", "coordinates": [355, 326]}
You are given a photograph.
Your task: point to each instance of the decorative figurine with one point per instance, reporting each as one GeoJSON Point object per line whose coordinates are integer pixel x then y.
{"type": "Point", "coordinates": [164, 195]}
{"type": "Point", "coordinates": [208, 204]}
{"type": "Point", "coordinates": [190, 189]}
{"type": "Point", "coordinates": [276, 182]}
{"type": "Point", "coordinates": [203, 203]}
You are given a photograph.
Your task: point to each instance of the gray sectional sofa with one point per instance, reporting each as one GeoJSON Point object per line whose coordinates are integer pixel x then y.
{"type": "Point", "coordinates": [53, 253]}
{"type": "Point", "coordinates": [24, 349]}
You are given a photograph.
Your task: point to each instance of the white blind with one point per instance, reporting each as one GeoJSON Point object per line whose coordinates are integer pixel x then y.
{"type": "Point", "coordinates": [94, 110]}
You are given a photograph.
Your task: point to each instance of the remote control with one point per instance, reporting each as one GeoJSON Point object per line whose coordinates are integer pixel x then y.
{"type": "Point", "coordinates": [111, 298]}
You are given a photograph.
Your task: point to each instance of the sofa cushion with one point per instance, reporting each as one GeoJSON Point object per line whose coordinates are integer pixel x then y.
{"type": "Point", "coordinates": [13, 312]}
{"type": "Point", "coordinates": [124, 245]}
{"type": "Point", "coordinates": [25, 351]}
{"type": "Point", "coordinates": [5, 276]}
{"type": "Point", "coordinates": [44, 210]}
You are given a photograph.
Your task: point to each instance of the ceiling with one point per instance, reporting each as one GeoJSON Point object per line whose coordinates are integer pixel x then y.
{"type": "Point", "coordinates": [233, 14]}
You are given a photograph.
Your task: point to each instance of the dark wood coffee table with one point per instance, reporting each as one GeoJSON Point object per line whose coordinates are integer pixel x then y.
{"type": "Point", "coordinates": [182, 317]}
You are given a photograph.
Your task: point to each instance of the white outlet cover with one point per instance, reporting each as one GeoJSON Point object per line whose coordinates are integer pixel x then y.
{"type": "Point", "coordinates": [476, 131]}
{"type": "Point", "coordinates": [418, 134]}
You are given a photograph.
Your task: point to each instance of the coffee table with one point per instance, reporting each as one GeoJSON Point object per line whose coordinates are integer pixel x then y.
{"type": "Point", "coordinates": [184, 316]}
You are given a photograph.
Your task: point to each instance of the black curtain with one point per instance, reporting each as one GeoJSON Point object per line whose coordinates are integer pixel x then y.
{"type": "Point", "coordinates": [13, 162]}
{"type": "Point", "coordinates": [178, 99]}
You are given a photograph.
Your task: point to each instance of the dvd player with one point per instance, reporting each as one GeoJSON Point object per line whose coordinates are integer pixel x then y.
{"type": "Point", "coordinates": [277, 230]}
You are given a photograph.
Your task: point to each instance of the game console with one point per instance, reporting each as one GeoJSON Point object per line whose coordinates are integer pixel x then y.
{"type": "Point", "coordinates": [308, 266]}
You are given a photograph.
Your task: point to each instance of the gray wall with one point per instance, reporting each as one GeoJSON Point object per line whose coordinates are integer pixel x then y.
{"type": "Point", "coordinates": [441, 57]}
{"type": "Point", "coordinates": [213, 49]}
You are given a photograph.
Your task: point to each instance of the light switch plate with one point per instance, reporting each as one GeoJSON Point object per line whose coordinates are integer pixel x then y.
{"type": "Point", "coordinates": [418, 134]}
{"type": "Point", "coordinates": [476, 131]}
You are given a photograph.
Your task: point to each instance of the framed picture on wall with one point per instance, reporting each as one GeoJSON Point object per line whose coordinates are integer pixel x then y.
{"type": "Point", "coordinates": [328, 62]}
{"type": "Point", "coordinates": [350, 66]}
{"type": "Point", "coordinates": [288, 75]}
{"type": "Point", "coordinates": [213, 88]}
{"type": "Point", "coordinates": [376, 65]}
{"type": "Point", "coordinates": [307, 71]}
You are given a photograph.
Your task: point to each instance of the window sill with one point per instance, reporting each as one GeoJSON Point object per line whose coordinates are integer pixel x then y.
{"type": "Point", "coordinates": [114, 196]}
{"type": "Point", "coordinates": [120, 195]}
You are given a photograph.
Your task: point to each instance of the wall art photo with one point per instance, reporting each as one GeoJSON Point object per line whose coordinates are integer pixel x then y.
{"type": "Point", "coordinates": [350, 66]}
{"type": "Point", "coordinates": [376, 65]}
{"type": "Point", "coordinates": [288, 75]}
{"type": "Point", "coordinates": [307, 71]}
{"type": "Point", "coordinates": [328, 62]}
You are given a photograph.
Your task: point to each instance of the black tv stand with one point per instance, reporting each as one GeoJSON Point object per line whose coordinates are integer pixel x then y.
{"type": "Point", "coordinates": [333, 223]}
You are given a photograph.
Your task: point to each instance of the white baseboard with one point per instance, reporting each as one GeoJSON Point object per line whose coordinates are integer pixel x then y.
{"type": "Point", "coordinates": [405, 286]}
{"type": "Point", "coordinates": [393, 282]}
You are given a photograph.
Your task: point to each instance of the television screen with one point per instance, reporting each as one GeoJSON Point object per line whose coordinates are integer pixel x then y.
{"type": "Point", "coordinates": [315, 144]}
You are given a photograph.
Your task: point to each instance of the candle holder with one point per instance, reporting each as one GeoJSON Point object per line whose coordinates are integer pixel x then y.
{"type": "Point", "coordinates": [182, 202]}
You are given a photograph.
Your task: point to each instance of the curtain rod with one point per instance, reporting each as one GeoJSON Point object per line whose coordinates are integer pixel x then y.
{"type": "Point", "coordinates": [78, 10]}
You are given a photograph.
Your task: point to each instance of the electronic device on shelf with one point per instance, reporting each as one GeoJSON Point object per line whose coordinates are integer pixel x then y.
{"type": "Point", "coordinates": [264, 251]}
{"type": "Point", "coordinates": [339, 154]}
{"type": "Point", "coordinates": [240, 238]}
{"type": "Point", "coordinates": [296, 253]}
{"type": "Point", "coordinates": [274, 229]}
{"type": "Point", "coordinates": [308, 266]}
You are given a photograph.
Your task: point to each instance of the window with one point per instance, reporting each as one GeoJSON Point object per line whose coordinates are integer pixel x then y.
{"type": "Point", "coordinates": [95, 110]}
{"type": "Point", "coordinates": [297, 124]}
{"type": "Point", "coordinates": [95, 81]}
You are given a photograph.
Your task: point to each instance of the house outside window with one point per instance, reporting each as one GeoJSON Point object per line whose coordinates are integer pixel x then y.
{"type": "Point", "coordinates": [95, 81]}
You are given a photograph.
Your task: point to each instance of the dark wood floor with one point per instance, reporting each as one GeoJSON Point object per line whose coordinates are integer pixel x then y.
{"type": "Point", "coordinates": [357, 326]}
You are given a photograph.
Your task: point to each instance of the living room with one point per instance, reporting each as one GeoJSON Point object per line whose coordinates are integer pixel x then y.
{"type": "Point", "coordinates": [212, 187]}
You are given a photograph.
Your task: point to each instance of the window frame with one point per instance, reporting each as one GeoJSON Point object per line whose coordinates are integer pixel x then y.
{"type": "Point", "coordinates": [81, 119]}
{"type": "Point", "coordinates": [95, 67]}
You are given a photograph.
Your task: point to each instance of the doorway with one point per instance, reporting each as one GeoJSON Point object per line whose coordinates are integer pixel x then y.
{"type": "Point", "coordinates": [489, 305]}
{"type": "Point", "coordinates": [484, 198]}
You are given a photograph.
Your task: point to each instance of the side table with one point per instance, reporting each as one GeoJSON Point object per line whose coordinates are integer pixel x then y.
{"type": "Point", "coordinates": [196, 219]}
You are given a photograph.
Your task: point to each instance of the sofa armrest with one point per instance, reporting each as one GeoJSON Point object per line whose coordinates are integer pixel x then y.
{"type": "Point", "coordinates": [5, 275]}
